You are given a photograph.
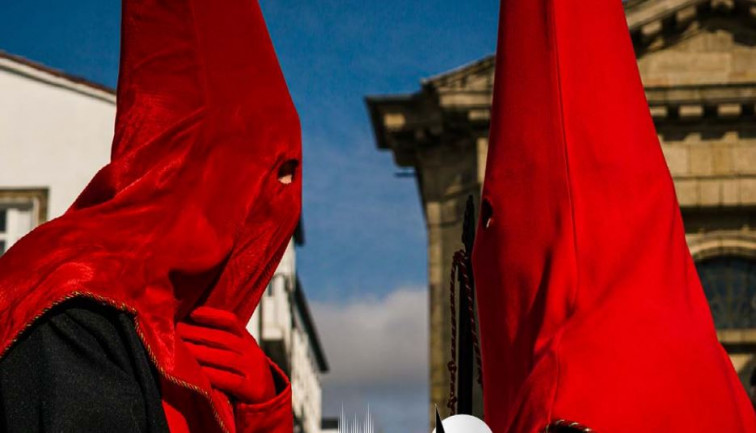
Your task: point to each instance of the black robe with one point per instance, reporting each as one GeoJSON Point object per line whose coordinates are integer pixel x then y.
{"type": "Point", "coordinates": [80, 368]}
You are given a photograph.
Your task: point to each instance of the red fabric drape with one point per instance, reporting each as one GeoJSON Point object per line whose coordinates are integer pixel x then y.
{"type": "Point", "coordinates": [189, 211]}
{"type": "Point", "coordinates": [590, 306]}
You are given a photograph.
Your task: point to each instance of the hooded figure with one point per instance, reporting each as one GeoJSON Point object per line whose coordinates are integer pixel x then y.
{"type": "Point", "coordinates": [590, 306]}
{"type": "Point", "coordinates": [185, 225]}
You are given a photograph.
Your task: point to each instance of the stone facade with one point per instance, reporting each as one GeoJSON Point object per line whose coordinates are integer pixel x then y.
{"type": "Point", "coordinates": [698, 63]}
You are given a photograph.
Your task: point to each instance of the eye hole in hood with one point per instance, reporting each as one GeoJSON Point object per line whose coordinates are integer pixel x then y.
{"type": "Point", "coordinates": [486, 214]}
{"type": "Point", "coordinates": [287, 171]}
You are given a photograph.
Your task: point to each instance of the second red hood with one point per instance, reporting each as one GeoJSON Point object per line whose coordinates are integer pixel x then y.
{"type": "Point", "coordinates": [590, 306]}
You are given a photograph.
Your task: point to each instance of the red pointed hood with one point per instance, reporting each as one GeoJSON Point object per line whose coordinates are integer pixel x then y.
{"type": "Point", "coordinates": [590, 307]}
{"type": "Point", "coordinates": [190, 209]}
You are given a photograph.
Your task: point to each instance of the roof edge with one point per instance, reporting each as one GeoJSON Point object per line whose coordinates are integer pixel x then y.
{"type": "Point", "coordinates": [43, 73]}
{"type": "Point", "coordinates": [373, 104]}
{"type": "Point", "coordinates": [467, 68]}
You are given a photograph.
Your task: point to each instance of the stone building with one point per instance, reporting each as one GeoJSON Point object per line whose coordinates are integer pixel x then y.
{"type": "Point", "coordinates": [698, 63]}
{"type": "Point", "coordinates": [55, 134]}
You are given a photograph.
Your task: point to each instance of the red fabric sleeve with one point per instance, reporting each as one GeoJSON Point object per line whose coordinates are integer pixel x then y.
{"type": "Point", "coordinates": [272, 416]}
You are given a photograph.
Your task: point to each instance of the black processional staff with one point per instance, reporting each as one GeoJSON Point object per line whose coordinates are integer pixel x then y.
{"type": "Point", "coordinates": [464, 341]}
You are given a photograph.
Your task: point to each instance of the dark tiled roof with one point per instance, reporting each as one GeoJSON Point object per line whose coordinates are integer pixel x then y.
{"type": "Point", "coordinates": [56, 73]}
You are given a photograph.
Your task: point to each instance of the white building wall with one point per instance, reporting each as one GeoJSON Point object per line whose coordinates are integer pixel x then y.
{"type": "Point", "coordinates": [276, 321]}
{"type": "Point", "coordinates": [54, 133]}
{"type": "Point", "coordinates": [305, 382]}
{"type": "Point", "coordinates": [275, 324]}
{"type": "Point", "coordinates": [276, 302]}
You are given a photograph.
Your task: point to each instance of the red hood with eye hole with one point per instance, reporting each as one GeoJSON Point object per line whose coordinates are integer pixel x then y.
{"type": "Point", "coordinates": [189, 210]}
{"type": "Point", "coordinates": [590, 306]}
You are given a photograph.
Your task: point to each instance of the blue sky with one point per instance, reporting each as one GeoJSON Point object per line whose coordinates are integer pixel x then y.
{"type": "Point", "coordinates": [364, 226]}
{"type": "Point", "coordinates": [365, 233]}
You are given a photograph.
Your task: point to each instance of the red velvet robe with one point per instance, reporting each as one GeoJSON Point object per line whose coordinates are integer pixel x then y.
{"type": "Point", "coordinates": [189, 211]}
{"type": "Point", "coordinates": [590, 306]}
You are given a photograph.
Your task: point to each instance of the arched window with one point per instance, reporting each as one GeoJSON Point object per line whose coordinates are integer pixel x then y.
{"type": "Point", "coordinates": [730, 285]}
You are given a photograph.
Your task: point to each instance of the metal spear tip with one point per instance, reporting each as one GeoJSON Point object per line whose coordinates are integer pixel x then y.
{"type": "Point", "coordinates": [439, 424]}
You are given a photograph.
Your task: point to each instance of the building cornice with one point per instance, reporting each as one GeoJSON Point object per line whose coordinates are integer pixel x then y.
{"type": "Point", "coordinates": [459, 101]}
{"type": "Point", "coordinates": [725, 102]}
{"type": "Point", "coordinates": [655, 25]}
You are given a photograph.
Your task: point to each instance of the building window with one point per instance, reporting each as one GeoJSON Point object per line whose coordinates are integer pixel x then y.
{"type": "Point", "coordinates": [730, 285]}
{"type": "Point", "coordinates": [20, 212]}
{"type": "Point", "coordinates": [3, 229]}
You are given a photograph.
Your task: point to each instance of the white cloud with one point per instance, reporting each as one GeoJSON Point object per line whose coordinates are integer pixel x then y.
{"type": "Point", "coordinates": [378, 352]}
{"type": "Point", "coordinates": [376, 341]}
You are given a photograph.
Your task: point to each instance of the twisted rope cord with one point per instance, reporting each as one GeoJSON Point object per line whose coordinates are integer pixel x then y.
{"type": "Point", "coordinates": [459, 262]}
{"type": "Point", "coordinates": [564, 426]}
{"type": "Point", "coordinates": [452, 365]}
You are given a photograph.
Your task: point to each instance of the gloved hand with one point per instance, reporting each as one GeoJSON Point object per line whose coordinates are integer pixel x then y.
{"type": "Point", "coordinates": [228, 355]}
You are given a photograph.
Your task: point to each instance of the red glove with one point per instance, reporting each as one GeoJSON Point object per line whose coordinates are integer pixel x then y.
{"type": "Point", "coordinates": [228, 355]}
